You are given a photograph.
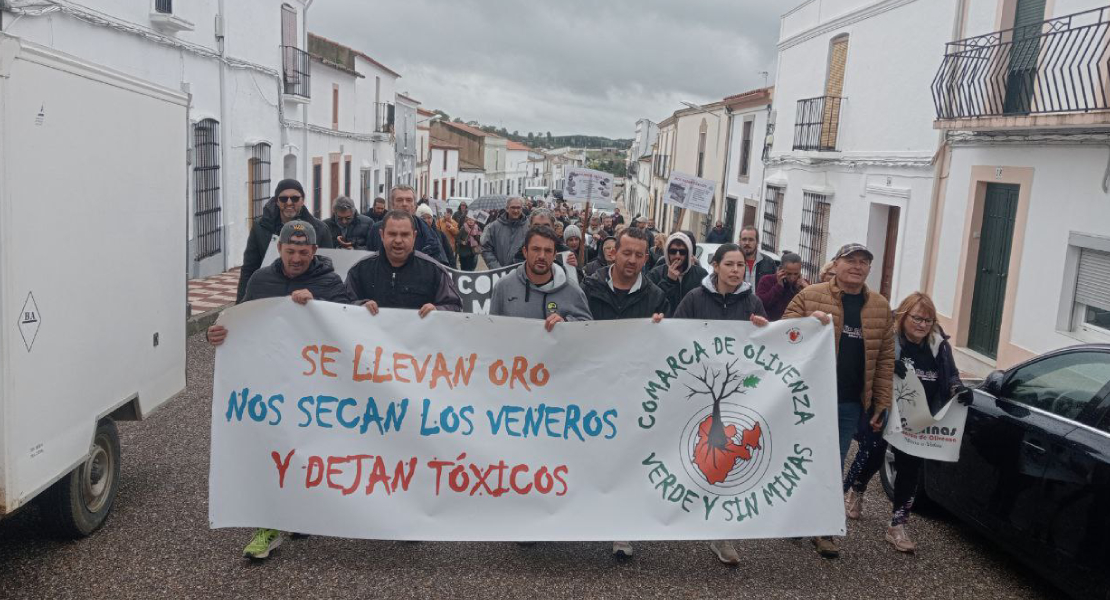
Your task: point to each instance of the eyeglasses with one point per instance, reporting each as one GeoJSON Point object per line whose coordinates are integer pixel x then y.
{"type": "Point", "coordinates": [678, 251]}
{"type": "Point", "coordinates": [289, 199]}
{"type": "Point", "coordinates": [921, 320]}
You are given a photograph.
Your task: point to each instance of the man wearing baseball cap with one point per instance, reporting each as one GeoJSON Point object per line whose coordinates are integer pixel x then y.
{"type": "Point", "coordinates": [303, 276]}
{"type": "Point", "coordinates": [863, 329]}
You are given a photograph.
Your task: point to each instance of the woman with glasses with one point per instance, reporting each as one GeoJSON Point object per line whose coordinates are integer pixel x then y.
{"type": "Point", "coordinates": [920, 344]}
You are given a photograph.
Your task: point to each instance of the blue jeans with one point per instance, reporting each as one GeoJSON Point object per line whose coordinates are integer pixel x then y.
{"type": "Point", "coordinates": [848, 416]}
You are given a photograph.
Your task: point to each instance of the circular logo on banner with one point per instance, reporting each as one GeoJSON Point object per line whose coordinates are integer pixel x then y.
{"type": "Point", "coordinates": [794, 335]}
{"type": "Point", "coordinates": [726, 457]}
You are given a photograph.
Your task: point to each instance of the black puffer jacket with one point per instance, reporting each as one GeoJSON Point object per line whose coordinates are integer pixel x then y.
{"type": "Point", "coordinates": [263, 233]}
{"type": "Point", "coordinates": [640, 303]}
{"type": "Point", "coordinates": [421, 280]}
{"type": "Point", "coordinates": [357, 233]}
{"type": "Point", "coordinates": [708, 304]}
{"type": "Point", "coordinates": [320, 279]}
{"type": "Point", "coordinates": [677, 290]}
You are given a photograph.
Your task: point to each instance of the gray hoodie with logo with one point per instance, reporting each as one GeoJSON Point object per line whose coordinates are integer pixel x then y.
{"type": "Point", "coordinates": [516, 296]}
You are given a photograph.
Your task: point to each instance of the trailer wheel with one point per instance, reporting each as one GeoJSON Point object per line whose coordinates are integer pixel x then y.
{"type": "Point", "coordinates": [78, 504]}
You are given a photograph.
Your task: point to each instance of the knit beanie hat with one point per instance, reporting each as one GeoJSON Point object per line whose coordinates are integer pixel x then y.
{"type": "Point", "coordinates": [288, 184]}
{"type": "Point", "coordinates": [424, 209]}
{"type": "Point", "coordinates": [571, 231]}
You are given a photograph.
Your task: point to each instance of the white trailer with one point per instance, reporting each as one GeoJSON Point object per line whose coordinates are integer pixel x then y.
{"type": "Point", "coordinates": [92, 274]}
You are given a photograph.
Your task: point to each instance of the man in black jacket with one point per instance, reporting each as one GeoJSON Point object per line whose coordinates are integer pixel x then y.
{"type": "Point", "coordinates": [377, 211]}
{"type": "Point", "coordinates": [758, 263]}
{"type": "Point", "coordinates": [303, 276]}
{"type": "Point", "coordinates": [403, 198]}
{"type": "Point", "coordinates": [286, 205]}
{"type": "Point", "coordinates": [620, 291]}
{"type": "Point", "coordinates": [680, 273]}
{"type": "Point", "coordinates": [399, 277]}
{"type": "Point", "coordinates": [349, 230]}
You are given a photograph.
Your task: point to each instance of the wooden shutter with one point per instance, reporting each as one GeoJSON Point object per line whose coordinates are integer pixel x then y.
{"type": "Point", "coordinates": [838, 60]}
{"type": "Point", "coordinates": [1093, 285]}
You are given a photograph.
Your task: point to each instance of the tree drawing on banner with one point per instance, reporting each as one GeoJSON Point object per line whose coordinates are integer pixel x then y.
{"type": "Point", "coordinates": [903, 391]}
{"type": "Point", "coordinates": [719, 447]}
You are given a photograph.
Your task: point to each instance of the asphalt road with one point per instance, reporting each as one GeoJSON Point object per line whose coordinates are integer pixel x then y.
{"type": "Point", "coordinates": [157, 544]}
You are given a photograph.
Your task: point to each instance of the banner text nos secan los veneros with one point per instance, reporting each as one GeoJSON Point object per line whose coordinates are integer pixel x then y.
{"type": "Point", "coordinates": [327, 420]}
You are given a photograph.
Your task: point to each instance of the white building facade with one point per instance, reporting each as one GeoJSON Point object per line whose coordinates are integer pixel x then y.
{"type": "Point", "coordinates": [638, 186]}
{"type": "Point", "coordinates": [242, 86]}
{"type": "Point", "coordinates": [852, 156]}
{"type": "Point", "coordinates": [748, 114]}
{"type": "Point", "coordinates": [405, 140]}
{"type": "Point", "coordinates": [1021, 260]}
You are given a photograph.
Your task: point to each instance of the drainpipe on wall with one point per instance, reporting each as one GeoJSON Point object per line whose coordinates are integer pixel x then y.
{"type": "Point", "coordinates": [724, 169]}
{"type": "Point", "coordinates": [942, 161]}
{"type": "Point", "coordinates": [304, 179]}
{"type": "Point", "coordinates": [225, 127]}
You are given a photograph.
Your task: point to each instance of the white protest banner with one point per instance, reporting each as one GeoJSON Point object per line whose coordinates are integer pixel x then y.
{"type": "Point", "coordinates": [586, 185]}
{"type": "Point", "coordinates": [327, 420]}
{"type": "Point", "coordinates": [480, 216]}
{"type": "Point", "coordinates": [474, 287]}
{"type": "Point", "coordinates": [913, 429]}
{"type": "Point", "coordinates": [688, 191]}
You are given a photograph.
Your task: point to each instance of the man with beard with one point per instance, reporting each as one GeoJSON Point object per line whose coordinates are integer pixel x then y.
{"type": "Point", "coordinates": [540, 288]}
{"type": "Point", "coordinates": [377, 211]}
{"type": "Point", "coordinates": [718, 235]}
{"type": "Point", "coordinates": [286, 205]}
{"type": "Point", "coordinates": [503, 238]}
{"type": "Point", "coordinates": [398, 276]}
{"type": "Point", "coordinates": [621, 291]}
{"type": "Point", "coordinates": [681, 273]}
{"type": "Point", "coordinates": [759, 264]}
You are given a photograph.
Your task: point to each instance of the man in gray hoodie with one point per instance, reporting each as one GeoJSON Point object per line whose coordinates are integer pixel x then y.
{"type": "Point", "coordinates": [502, 239]}
{"type": "Point", "coordinates": [540, 288]}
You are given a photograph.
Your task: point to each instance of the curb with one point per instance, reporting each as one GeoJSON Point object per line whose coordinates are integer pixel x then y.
{"type": "Point", "coordinates": [203, 321]}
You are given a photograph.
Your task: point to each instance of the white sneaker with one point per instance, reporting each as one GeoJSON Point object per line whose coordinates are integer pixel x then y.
{"type": "Point", "coordinates": [623, 549]}
{"type": "Point", "coordinates": [725, 551]}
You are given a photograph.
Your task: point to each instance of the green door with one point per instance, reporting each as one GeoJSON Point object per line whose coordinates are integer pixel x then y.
{"type": "Point", "coordinates": [995, 241]}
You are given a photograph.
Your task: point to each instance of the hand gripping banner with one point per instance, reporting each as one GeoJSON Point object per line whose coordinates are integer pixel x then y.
{"type": "Point", "coordinates": [326, 420]}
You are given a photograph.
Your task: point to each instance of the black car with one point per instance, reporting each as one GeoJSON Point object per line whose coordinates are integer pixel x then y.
{"type": "Point", "coordinates": [1034, 468]}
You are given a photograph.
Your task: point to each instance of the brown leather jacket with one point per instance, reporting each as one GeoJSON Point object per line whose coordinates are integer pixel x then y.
{"type": "Point", "coordinates": [878, 335]}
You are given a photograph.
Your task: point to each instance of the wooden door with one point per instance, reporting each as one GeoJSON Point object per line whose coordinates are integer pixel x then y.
{"type": "Point", "coordinates": [992, 269]}
{"type": "Point", "coordinates": [890, 250]}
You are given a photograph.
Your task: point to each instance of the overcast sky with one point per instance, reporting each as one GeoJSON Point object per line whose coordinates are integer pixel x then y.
{"type": "Point", "coordinates": [565, 66]}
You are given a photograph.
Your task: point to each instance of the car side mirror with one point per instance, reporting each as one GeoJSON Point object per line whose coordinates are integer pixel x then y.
{"type": "Point", "coordinates": [993, 383]}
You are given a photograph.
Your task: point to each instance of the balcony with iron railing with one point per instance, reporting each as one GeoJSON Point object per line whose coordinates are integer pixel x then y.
{"type": "Point", "coordinates": [817, 125]}
{"type": "Point", "coordinates": [295, 73]}
{"type": "Point", "coordinates": [1050, 74]}
{"type": "Point", "coordinates": [383, 117]}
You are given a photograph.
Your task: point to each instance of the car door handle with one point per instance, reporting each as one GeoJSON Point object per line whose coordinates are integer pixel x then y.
{"type": "Point", "coordinates": [1034, 447]}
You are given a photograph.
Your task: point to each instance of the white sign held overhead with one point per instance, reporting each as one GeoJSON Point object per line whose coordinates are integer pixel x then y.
{"type": "Point", "coordinates": [690, 192]}
{"type": "Point", "coordinates": [587, 185]}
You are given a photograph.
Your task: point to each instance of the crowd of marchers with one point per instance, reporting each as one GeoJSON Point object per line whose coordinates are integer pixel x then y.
{"type": "Point", "coordinates": [631, 271]}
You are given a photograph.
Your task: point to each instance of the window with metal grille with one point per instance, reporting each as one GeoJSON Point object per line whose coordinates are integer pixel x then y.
{"type": "Point", "coordinates": [206, 188]}
{"type": "Point", "coordinates": [258, 168]}
{"type": "Point", "coordinates": [163, 6]}
{"type": "Point", "coordinates": [772, 217]}
{"type": "Point", "coordinates": [367, 193]}
{"type": "Point", "coordinates": [815, 234]}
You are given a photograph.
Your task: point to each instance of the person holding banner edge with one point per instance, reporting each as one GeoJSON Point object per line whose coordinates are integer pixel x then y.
{"type": "Point", "coordinates": [920, 344]}
{"type": "Point", "coordinates": [302, 275]}
{"type": "Point", "coordinates": [863, 330]}
{"type": "Point", "coordinates": [724, 296]}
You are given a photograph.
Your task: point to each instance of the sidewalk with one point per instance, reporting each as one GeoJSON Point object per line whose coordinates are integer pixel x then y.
{"type": "Point", "coordinates": [212, 293]}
